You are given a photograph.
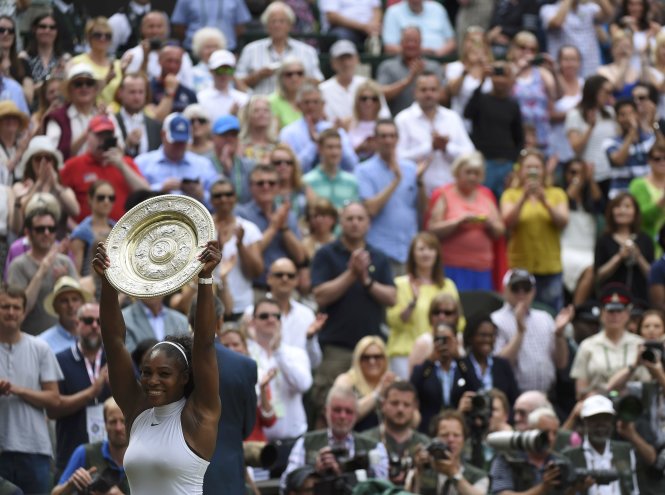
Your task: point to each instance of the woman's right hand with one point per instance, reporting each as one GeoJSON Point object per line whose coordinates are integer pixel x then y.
{"type": "Point", "coordinates": [101, 260]}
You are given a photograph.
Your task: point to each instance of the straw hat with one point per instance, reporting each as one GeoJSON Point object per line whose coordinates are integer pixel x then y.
{"type": "Point", "coordinates": [62, 285]}
{"type": "Point", "coordinates": [9, 109]}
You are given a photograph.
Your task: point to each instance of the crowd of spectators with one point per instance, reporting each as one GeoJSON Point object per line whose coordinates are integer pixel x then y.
{"type": "Point", "coordinates": [423, 206]}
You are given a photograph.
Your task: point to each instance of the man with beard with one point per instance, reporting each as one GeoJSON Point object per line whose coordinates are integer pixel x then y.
{"type": "Point", "coordinates": [105, 456]}
{"type": "Point", "coordinates": [598, 451]}
{"type": "Point", "coordinates": [398, 409]}
{"type": "Point", "coordinates": [79, 416]}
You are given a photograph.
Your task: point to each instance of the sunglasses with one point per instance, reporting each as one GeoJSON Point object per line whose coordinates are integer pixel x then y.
{"type": "Point", "coordinates": [288, 275]}
{"type": "Point", "coordinates": [49, 27]}
{"type": "Point", "coordinates": [372, 357]}
{"type": "Point", "coordinates": [517, 288]}
{"type": "Point", "coordinates": [199, 120]}
{"type": "Point", "coordinates": [224, 71]}
{"type": "Point", "coordinates": [89, 320]}
{"type": "Point", "coordinates": [104, 197]}
{"type": "Point", "coordinates": [447, 312]}
{"type": "Point", "coordinates": [220, 195]}
{"type": "Point", "coordinates": [101, 36]}
{"type": "Point", "coordinates": [265, 316]}
{"type": "Point", "coordinates": [640, 97]}
{"type": "Point", "coordinates": [299, 73]}
{"type": "Point", "coordinates": [375, 99]}
{"type": "Point", "coordinates": [277, 163]}
{"type": "Point", "coordinates": [261, 183]}
{"type": "Point", "coordinates": [4, 30]}
{"type": "Point", "coordinates": [528, 48]}
{"type": "Point", "coordinates": [88, 83]}
{"type": "Point", "coordinates": [657, 159]}
{"type": "Point", "coordinates": [42, 229]}
{"type": "Point", "coordinates": [39, 158]}
{"type": "Point", "coordinates": [441, 339]}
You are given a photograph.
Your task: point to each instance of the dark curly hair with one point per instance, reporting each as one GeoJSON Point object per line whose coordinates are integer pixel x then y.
{"type": "Point", "coordinates": [186, 342]}
{"type": "Point", "coordinates": [473, 325]}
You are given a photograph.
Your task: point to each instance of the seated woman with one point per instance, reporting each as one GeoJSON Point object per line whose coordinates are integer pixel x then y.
{"type": "Point", "coordinates": [172, 413]}
{"type": "Point", "coordinates": [368, 377]}
{"type": "Point", "coordinates": [258, 132]}
{"type": "Point", "coordinates": [432, 475]}
{"type": "Point", "coordinates": [408, 319]}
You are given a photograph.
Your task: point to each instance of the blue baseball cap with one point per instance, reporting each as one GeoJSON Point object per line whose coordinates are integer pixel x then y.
{"type": "Point", "coordinates": [177, 128]}
{"type": "Point", "coordinates": [225, 124]}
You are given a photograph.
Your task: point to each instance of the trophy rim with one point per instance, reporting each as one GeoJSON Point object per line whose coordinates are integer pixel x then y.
{"type": "Point", "coordinates": [135, 226]}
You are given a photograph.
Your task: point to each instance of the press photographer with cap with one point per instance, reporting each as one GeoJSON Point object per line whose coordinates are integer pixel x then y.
{"type": "Point", "coordinates": [612, 349]}
{"type": "Point", "coordinates": [104, 160]}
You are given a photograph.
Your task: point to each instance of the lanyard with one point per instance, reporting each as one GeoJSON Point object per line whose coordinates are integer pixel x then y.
{"type": "Point", "coordinates": [607, 357]}
{"type": "Point", "coordinates": [93, 373]}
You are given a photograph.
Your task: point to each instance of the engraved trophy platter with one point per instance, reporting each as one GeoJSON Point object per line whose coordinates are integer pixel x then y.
{"type": "Point", "coordinates": [154, 247]}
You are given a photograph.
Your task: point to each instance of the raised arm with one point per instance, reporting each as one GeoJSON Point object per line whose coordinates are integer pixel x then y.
{"type": "Point", "coordinates": [125, 388]}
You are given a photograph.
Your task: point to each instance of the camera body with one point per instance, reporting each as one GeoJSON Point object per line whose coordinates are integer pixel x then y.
{"type": "Point", "coordinates": [109, 142]}
{"type": "Point", "coordinates": [481, 411]}
{"type": "Point", "coordinates": [653, 351]}
{"type": "Point", "coordinates": [438, 450]}
{"type": "Point", "coordinates": [569, 475]}
{"type": "Point", "coordinates": [103, 482]}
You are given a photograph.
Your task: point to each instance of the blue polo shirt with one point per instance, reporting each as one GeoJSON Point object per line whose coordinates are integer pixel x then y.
{"type": "Point", "coordinates": [156, 168]}
{"type": "Point", "coordinates": [276, 249]}
{"type": "Point", "coordinates": [78, 460]}
{"type": "Point", "coordinates": [71, 431]}
{"type": "Point", "coordinates": [57, 338]}
{"type": "Point", "coordinates": [355, 314]}
{"type": "Point", "coordinates": [181, 99]}
{"type": "Point", "coordinates": [224, 15]}
{"type": "Point", "coordinates": [397, 222]}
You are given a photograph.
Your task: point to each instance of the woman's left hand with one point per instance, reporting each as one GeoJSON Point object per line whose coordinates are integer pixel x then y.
{"type": "Point", "coordinates": [210, 257]}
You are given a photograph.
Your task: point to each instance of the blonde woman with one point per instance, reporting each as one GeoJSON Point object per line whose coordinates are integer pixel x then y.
{"type": "Point", "coordinates": [621, 74]}
{"type": "Point", "coordinates": [98, 33]}
{"type": "Point", "coordinates": [290, 76]}
{"type": "Point", "coordinates": [535, 214]}
{"type": "Point", "coordinates": [205, 41]}
{"type": "Point", "coordinates": [290, 186]}
{"type": "Point", "coordinates": [366, 110]}
{"type": "Point", "coordinates": [368, 377]}
{"type": "Point", "coordinates": [258, 129]}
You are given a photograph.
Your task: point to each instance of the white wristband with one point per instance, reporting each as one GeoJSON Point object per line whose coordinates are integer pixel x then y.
{"type": "Point", "coordinates": [205, 281]}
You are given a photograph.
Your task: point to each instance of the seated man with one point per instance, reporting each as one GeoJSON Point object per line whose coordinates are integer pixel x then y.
{"type": "Point", "coordinates": [168, 93]}
{"type": "Point", "coordinates": [316, 447]}
{"type": "Point", "coordinates": [351, 20]}
{"type": "Point", "coordinates": [92, 459]}
{"type": "Point", "coordinates": [150, 319]}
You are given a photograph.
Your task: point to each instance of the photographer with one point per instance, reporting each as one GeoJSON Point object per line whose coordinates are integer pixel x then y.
{"type": "Point", "coordinates": [399, 411]}
{"type": "Point", "coordinates": [97, 467]}
{"type": "Point", "coordinates": [598, 451]}
{"type": "Point", "coordinates": [440, 468]}
{"type": "Point", "coordinates": [328, 450]}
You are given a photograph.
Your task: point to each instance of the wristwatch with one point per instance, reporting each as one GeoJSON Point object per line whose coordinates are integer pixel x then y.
{"type": "Point", "coordinates": [205, 281]}
{"type": "Point", "coordinates": [457, 477]}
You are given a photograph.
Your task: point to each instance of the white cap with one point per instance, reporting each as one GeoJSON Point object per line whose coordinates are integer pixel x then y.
{"type": "Point", "coordinates": [343, 47]}
{"type": "Point", "coordinates": [80, 70]}
{"type": "Point", "coordinates": [219, 58]}
{"type": "Point", "coordinates": [596, 404]}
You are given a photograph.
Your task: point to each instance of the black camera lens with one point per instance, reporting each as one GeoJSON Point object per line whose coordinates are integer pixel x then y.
{"type": "Point", "coordinates": [649, 355]}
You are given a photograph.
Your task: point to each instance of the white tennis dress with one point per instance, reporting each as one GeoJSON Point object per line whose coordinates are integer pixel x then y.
{"type": "Point", "coordinates": [158, 461]}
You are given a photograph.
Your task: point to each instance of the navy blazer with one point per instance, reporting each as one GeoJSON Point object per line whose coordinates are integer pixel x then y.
{"type": "Point", "coordinates": [503, 378]}
{"type": "Point", "coordinates": [430, 391]}
{"type": "Point", "coordinates": [237, 382]}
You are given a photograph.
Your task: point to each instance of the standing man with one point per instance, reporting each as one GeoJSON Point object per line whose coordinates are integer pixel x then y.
{"type": "Point", "coordinates": [227, 159]}
{"type": "Point", "coordinates": [83, 389]}
{"type": "Point", "coordinates": [222, 99]}
{"type": "Point", "coordinates": [169, 94]}
{"type": "Point", "coordinates": [352, 20]}
{"type": "Point", "coordinates": [352, 283]}
{"type": "Point", "coordinates": [29, 375]}
{"type": "Point", "coordinates": [63, 303]}
{"type": "Point", "coordinates": [37, 270]}
{"type": "Point", "coordinates": [429, 131]}
{"type": "Point", "coordinates": [394, 193]}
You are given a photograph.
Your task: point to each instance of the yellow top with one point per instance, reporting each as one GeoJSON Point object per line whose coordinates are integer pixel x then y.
{"type": "Point", "coordinates": [108, 93]}
{"type": "Point", "coordinates": [403, 335]}
{"type": "Point", "coordinates": [535, 242]}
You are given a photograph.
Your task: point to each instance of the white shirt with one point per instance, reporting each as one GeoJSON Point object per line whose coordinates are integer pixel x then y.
{"type": "Point", "coordinates": [156, 321]}
{"type": "Point", "coordinates": [597, 461]}
{"type": "Point", "coordinates": [415, 142]}
{"type": "Point", "coordinates": [339, 100]}
{"type": "Point", "coordinates": [136, 121]}
{"type": "Point", "coordinates": [154, 70]}
{"type": "Point", "coordinates": [359, 10]}
{"type": "Point", "coordinates": [218, 103]}
{"type": "Point", "coordinates": [120, 26]}
{"type": "Point", "coordinates": [79, 124]}
{"type": "Point", "coordinates": [293, 379]}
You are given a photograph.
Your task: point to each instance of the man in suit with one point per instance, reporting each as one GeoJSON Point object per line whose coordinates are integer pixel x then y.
{"type": "Point", "coordinates": [150, 319]}
{"type": "Point", "coordinates": [237, 381]}
{"type": "Point", "coordinates": [139, 132]}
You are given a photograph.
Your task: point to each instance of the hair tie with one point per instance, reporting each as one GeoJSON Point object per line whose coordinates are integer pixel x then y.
{"type": "Point", "coordinates": [177, 346]}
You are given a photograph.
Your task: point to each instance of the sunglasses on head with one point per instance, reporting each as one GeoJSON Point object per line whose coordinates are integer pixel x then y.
{"type": "Point", "coordinates": [6, 30]}
{"type": "Point", "coordinates": [104, 197]}
{"type": "Point", "coordinates": [101, 36]}
{"type": "Point", "coordinates": [42, 229]}
{"type": "Point", "coordinates": [277, 163]}
{"type": "Point", "coordinates": [265, 316]}
{"type": "Point", "coordinates": [88, 83]}
{"type": "Point", "coordinates": [89, 320]}
{"type": "Point", "coordinates": [289, 275]}
{"type": "Point", "coordinates": [261, 183]}
{"type": "Point", "coordinates": [226, 194]}
{"type": "Point", "coordinates": [49, 27]}
{"type": "Point", "coordinates": [372, 357]}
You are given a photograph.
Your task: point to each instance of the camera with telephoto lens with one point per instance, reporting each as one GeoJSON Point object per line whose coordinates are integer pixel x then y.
{"type": "Point", "coordinates": [350, 464]}
{"type": "Point", "coordinates": [653, 351]}
{"type": "Point", "coordinates": [332, 484]}
{"type": "Point", "coordinates": [569, 475]}
{"type": "Point", "coordinates": [628, 406]}
{"type": "Point", "coordinates": [103, 482]}
{"type": "Point", "coordinates": [260, 454]}
{"type": "Point", "coordinates": [398, 465]}
{"type": "Point", "coordinates": [528, 441]}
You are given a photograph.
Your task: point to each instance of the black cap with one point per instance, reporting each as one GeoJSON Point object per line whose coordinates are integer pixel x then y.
{"type": "Point", "coordinates": [517, 275]}
{"type": "Point", "coordinates": [615, 296]}
{"type": "Point", "coordinates": [297, 477]}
